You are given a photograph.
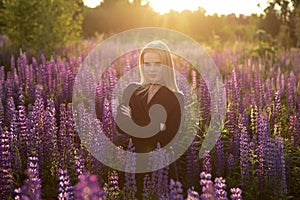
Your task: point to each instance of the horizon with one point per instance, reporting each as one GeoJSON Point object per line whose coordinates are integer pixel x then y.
{"type": "Point", "coordinates": [219, 7]}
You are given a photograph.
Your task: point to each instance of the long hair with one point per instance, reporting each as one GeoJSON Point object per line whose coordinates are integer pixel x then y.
{"type": "Point", "coordinates": [168, 72]}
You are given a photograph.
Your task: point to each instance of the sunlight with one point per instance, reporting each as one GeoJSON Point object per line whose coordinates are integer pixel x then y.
{"type": "Point", "coordinates": [211, 6]}
{"type": "Point", "coordinates": [176, 5]}
{"type": "Point", "coordinates": [92, 3]}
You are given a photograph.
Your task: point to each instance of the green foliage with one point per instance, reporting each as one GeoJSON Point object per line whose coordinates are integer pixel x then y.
{"type": "Point", "coordinates": [46, 24]}
{"type": "Point", "coordinates": [281, 20]}
{"type": "Point", "coordinates": [266, 47]}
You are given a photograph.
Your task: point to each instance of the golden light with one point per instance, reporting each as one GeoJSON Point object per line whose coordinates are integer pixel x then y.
{"type": "Point", "coordinates": [164, 6]}
{"type": "Point", "coordinates": [92, 3]}
{"type": "Point", "coordinates": [210, 6]}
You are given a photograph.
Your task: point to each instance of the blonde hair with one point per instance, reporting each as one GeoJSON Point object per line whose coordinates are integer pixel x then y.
{"type": "Point", "coordinates": [160, 48]}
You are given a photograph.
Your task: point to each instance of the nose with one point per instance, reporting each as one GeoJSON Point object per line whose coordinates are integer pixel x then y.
{"type": "Point", "coordinates": [152, 67]}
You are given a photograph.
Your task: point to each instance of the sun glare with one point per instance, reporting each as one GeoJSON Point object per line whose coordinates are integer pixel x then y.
{"type": "Point", "coordinates": [210, 6]}
{"type": "Point", "coordinates": [92, 3]}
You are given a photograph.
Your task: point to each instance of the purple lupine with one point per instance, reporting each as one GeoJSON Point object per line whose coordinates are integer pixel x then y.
{"type": "Point", "coordinates": [257, 86]}
{"type": "Point", "coordinates": [263, 141]}
{"type": "Point", "coordinates": [271, 163]}
{"type": "Point", "coordinates": [62, 136]}
{"type": "Point", "coordinates": [280, 146]}
{"type": "Point", "coordinates": [79, 162]}
{"type": "Point", "coordinates": [192, 195]}
{"type": "Point", "coordinates": [22, 123]}
{"type": "Point", "coordinates": [206, 163]}
{"type": "Point", "coordinates": [6, 181]}
{"type": "Point", "coordinates": [31, 188]}
{"type": "Point", "coordinates": [70, 131]}
{"type": "Point", "coordinates": [175, 190]}
{"type": "Point", "coordinates": [113, 185]}
{"type": "Point", "coordinates": [244, 148]}
{"type": "Point", "coordinates": [38, 119]}
{"type": "Point", "coordinates": [220, 187]}
{"type": "Point", "coordinates": [147, 187]}
{"type": "Point", "coordinates": [205, 101]}
{"type": "Point", "coordinates": [107, 119]}
{"type": "Point", "coordinates": [51, 134]}
{"type": "Point", "coordinates": [230, 162]}
{"type": "Point", "coordinates": [220, 158]}
{"type": "Point", "coordinates": [130, 184]}
{"type": "Point", "coordinates": [253, 119]}
{"type": "Point", "coordinates": [296, 133]}
{"type": "Point", "coordinates": [88, 188]}
{"type": "Point", "coordinates": [291, 85]}
{"type": "Point", "coordinates": [236, 194]}
{"type": "Point", "coordinates": [231, 125]}
{"type": "Point", "coordinates": [192, 165]}
{"type": "Point", "coordinates": [157, 161]}
{"type": "Point", "coordinates": [236, 92]}
{"type": "Point", "coordinates": [65, 189]}
{"type": "Point", "coordinates": [13, 133]}
{"type": "Point", "coordinates": [207, 186]}
{"type": "Point", "coordinates": [1, 111]}
{"type": "Point", "coordinates": [277, 111]}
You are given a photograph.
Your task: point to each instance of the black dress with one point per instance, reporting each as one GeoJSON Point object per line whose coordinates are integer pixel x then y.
{"type": "Point", "coordinates": [173, 104]}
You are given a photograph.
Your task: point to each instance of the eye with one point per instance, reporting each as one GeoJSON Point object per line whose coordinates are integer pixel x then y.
{"type": "Point", "coordinates": [147, 64]}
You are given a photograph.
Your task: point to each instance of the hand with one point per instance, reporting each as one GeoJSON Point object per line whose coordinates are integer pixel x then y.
{"type": "Point", "coordinates": [162, 126]}
{"type": "Point", "coordinates": [126, 110]}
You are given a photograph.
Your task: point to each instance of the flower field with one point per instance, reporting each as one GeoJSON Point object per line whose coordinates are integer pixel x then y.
{"type": "Point", "coordinates": [256, 157]}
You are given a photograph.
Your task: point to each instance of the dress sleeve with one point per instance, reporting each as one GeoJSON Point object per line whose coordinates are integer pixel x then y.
{"type": "Point", "coordinates": [128, 91]}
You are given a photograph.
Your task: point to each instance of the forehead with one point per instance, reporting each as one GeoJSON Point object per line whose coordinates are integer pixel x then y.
{"type": "Point", "coordinates": [151, 57]}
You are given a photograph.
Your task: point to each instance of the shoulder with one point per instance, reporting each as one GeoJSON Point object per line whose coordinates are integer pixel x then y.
{"type": "Point", "coordinates": [131, 88]}
{"type": "Point", "coordinates": [128, 91]}
{"type": "Point", "coordinates": [178, 94]}
{"type": "Point", "coordinates": [180, 97]}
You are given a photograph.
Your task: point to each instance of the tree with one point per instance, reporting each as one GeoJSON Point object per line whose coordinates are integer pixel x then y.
{"type": "Point", "coordinates": [282, 16]}
{"type": "Point", "coordinates": [41, 25]}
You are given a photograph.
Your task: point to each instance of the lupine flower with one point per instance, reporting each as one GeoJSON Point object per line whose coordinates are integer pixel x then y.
{"type": "Point", "coordinates": [31, 188]}
{"type": "Point", "coordinates": [207, 186]}
{"type": "Point", "coordinates": [192, 165]}
{"type": "Point", "coordinates": [206, 163]}
{"type": "Point", "coordinates": [192, 195]}
{"type": "Point", "coordinates": [175, 190]}
{"type": "Point", "coordinates": [113, 185]}
{"type": "Point", "coordinates": [1, 111]}
{"type": "Point", "coordinates": [147, 187]}
{"type": "Point", "coordinates": [220, 187]}
{"type": "Point", "coordinates": [88, 188]}
{"type": "Point", "coordinates": [159, 177]}
{"type": "Point", "coordinates": [22, 124]}
{"type": "Point", "coordinates": [220, 158]}
{"type": "Point", "coordinates": [262, 148]}
{"type": "Point", "coordinates": [282, 169]}
{"type": "Point", "coordinates": [230, 162]}
{"type": "Point", "coordinates": [236, 194]}
{"type": "Point", "coordinates": [130, 184]}
{"type": "Point", "coordinates": [6, 180]}
{"type": "Point", "coordinates": [65, 190]}
{"type": "Point", "coordinates": [244, 148]}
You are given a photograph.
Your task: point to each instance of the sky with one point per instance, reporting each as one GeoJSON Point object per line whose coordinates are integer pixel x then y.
{"type": "Point", "coordinates": [246, 7]}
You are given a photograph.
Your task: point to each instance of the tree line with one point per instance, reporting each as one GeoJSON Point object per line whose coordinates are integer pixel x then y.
{"type": "Point", "coordinates": [50, 24]}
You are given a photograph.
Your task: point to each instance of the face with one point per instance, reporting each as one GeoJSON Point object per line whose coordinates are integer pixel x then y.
{"type": "Point", "coordinates": [152, 67]}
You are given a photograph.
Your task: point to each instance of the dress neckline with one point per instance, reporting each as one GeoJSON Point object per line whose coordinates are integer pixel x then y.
{"type": "Point", "coordinates": [149, 101]}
